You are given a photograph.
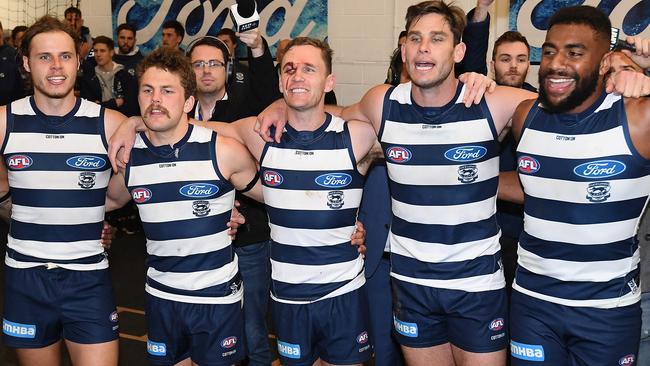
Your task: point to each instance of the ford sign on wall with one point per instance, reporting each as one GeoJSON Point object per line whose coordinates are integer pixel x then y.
{"type": "Point", "coordinates": [279, 19]}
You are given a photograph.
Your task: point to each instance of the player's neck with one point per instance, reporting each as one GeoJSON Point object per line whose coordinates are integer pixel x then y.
{"type": "Point", "coordinates": [54, 106]}
{"type": "Point", "coordinates": [306, 120]}
{"type": "Point", "coordinates": [169, 137]}
{"type": "Point", "coordinates": [437, 96]}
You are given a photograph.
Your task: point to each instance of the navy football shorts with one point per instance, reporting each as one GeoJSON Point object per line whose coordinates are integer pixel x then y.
{"type": "Point", "coordinates": [334, 330]}
{"type": "Point", "coordinates": [545, 333]}
{"type": "Point", "coordinates": [210, 334]}
{"type": "Point", "coordinates": [42, 305]}
{"type": "Point", "coordinates": [472, 321]}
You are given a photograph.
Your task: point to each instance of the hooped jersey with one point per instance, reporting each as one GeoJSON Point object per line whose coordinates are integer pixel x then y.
{"type": "Point", "coordinates": [443, 167]}
{"type": "Point", "coordinates": [312, 191]}
{"type": "Point", "coordinates": [58, 174]}
{"type": "Point", "coordinates": [585, 188]}
{"type": "Point", "coordinates": [185, 204]}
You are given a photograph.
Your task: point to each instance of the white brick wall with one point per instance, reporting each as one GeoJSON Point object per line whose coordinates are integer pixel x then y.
{"type": "Point", "coordinates": [363, 33]}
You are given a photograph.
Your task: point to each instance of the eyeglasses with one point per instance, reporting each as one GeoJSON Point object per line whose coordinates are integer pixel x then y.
{"type": "Point", "coordinates": [210, 63]}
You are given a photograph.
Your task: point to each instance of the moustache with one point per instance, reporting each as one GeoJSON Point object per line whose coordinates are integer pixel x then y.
{"type": "Point", "coordinates": [151, 107]}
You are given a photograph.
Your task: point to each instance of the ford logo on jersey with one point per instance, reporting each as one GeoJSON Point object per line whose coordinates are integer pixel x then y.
{"type": "Point", "coordinates": [599, 169]}
{"type": "Point", "coordinates": [141, 195]}
{"type": "Point", "coordinates": [229, 342]}
{"type": "Point", "coordinates": [496, 324]}
{"type": "Point", "coordinates": [273, 179]}
{"type": "Point", "coordinates": [465, 153]}
{"type": "Point", "coordinates": [398, 154]}
{"type": "Point", "coordinates": [199, 190]}
{"type": "Point", "coordinates": [19, 162]}
{"type": "Point", "coordinates": [528, 165]}
{"type": "Point", "coordinates": [626, 360]}
{"type": "Point", "coordinates": [86, 162]}
{"type": "Point", "coordinates": [333, 180]}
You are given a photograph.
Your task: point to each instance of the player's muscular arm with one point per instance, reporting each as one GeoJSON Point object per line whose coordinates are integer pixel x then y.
{"type": "Point", "coordinates": [509, 186]}
{"type": "Point", "coordinates": [519, 117]}
{"type": "Point", "coordinates": [369, 109]}
{"type": "Point", "coordinates": [638, 119]}
{"type": "Point", "coordinates": [363, 140]}
{"type": "Point", "coordinates": [239, 167]}
{"type": "Point", "coordinates": [503, 102]}
{"type": "Point", "coordinates": [240, 130]}
{"type": "Point", "coordinates": [117, 194]}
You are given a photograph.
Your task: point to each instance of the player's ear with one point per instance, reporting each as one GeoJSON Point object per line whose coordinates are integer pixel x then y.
{"type": "Point", "coordinates": [189, 104]}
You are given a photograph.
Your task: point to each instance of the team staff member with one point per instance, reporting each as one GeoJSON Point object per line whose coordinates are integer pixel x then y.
{"type": "Point", "coordinates": [57, 284]}
{"type": "Point", "coordinates": [221, 97]}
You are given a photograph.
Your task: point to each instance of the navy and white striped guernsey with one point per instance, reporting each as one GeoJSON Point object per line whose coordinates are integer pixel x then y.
{"type": "Point", "coordinates": [443, 167]}
{"type": "Point", "coordinates": [184, 204]}
{"type": "Point", "coordinates": [585, 188]}
{"type": "Point", "coordinates": [58, 174]}
{"type": "Point", "coordinates": [312, 191]}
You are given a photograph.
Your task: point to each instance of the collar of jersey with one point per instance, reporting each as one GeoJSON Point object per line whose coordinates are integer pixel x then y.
{"type": "Point", "coordinates": [308, 137]}
{"type": "Point", "coordinates": [167, 150]}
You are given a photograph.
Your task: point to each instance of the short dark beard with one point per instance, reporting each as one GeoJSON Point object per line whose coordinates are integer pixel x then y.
{"type": "Point", "coordinates": [584, 89]}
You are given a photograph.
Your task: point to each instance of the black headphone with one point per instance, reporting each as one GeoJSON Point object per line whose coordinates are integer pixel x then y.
{"type": "Point", "coordinates": [214, 42]}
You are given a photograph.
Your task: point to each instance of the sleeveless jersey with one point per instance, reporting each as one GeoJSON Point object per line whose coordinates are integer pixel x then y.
{"type": "Point", "coordinates": [58, 173]}
{"type": "Point", "coordinates": [585, 188]}
{"type": "Point", "coordinates": [443, 167]}
{"type": "Point", "coordinates": [312, 191]}
{"type": "Point", "coordinates": [184, 204]}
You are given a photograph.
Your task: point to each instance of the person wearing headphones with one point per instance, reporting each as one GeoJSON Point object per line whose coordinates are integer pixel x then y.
{"type": "Point", "coordinates": [221, 96]}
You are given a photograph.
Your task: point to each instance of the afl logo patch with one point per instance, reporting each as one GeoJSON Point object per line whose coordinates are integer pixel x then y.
{"type": "Point", "coordinates": [86, 162]}
{"type": "Point", "coordinates": [199, 190]}
{"type": "Point", "coordinates": [599, 169]}
{"type": "Point", "coordinates": [465, 153]}
{"type": "Point", "coordinates": [362, 338]}
{"type": "Point", "coordinates": [19, 162]}
{"type": "Point", "coordinates": [627, 360]}
{"type": "Point", "coordinates": [497, 324]}
{"type": "Point", "coordinates": [528, 165]}
{"type": "Point", "coordinates": [229, 342]}
{"type": "Point", "coordinates": [113, 317]}
{"type": "Point", "coordinates": [141, 195]}
{"type": "Point", "coordinates": [333, 180]}
{"type": "Point", "coordinates": [273, 179]}
{"type": "Point", "coordinates": [398, 154]}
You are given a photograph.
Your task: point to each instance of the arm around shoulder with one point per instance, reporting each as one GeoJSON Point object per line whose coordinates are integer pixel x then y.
{"type": "Point", "coordinates": [238, 166]}
{"type": "Point", "coordinates": [519, 117]}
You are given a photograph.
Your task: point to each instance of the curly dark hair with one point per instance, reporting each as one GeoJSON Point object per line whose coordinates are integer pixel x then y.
{"type": "Point", "coordinates": [173, 61]}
